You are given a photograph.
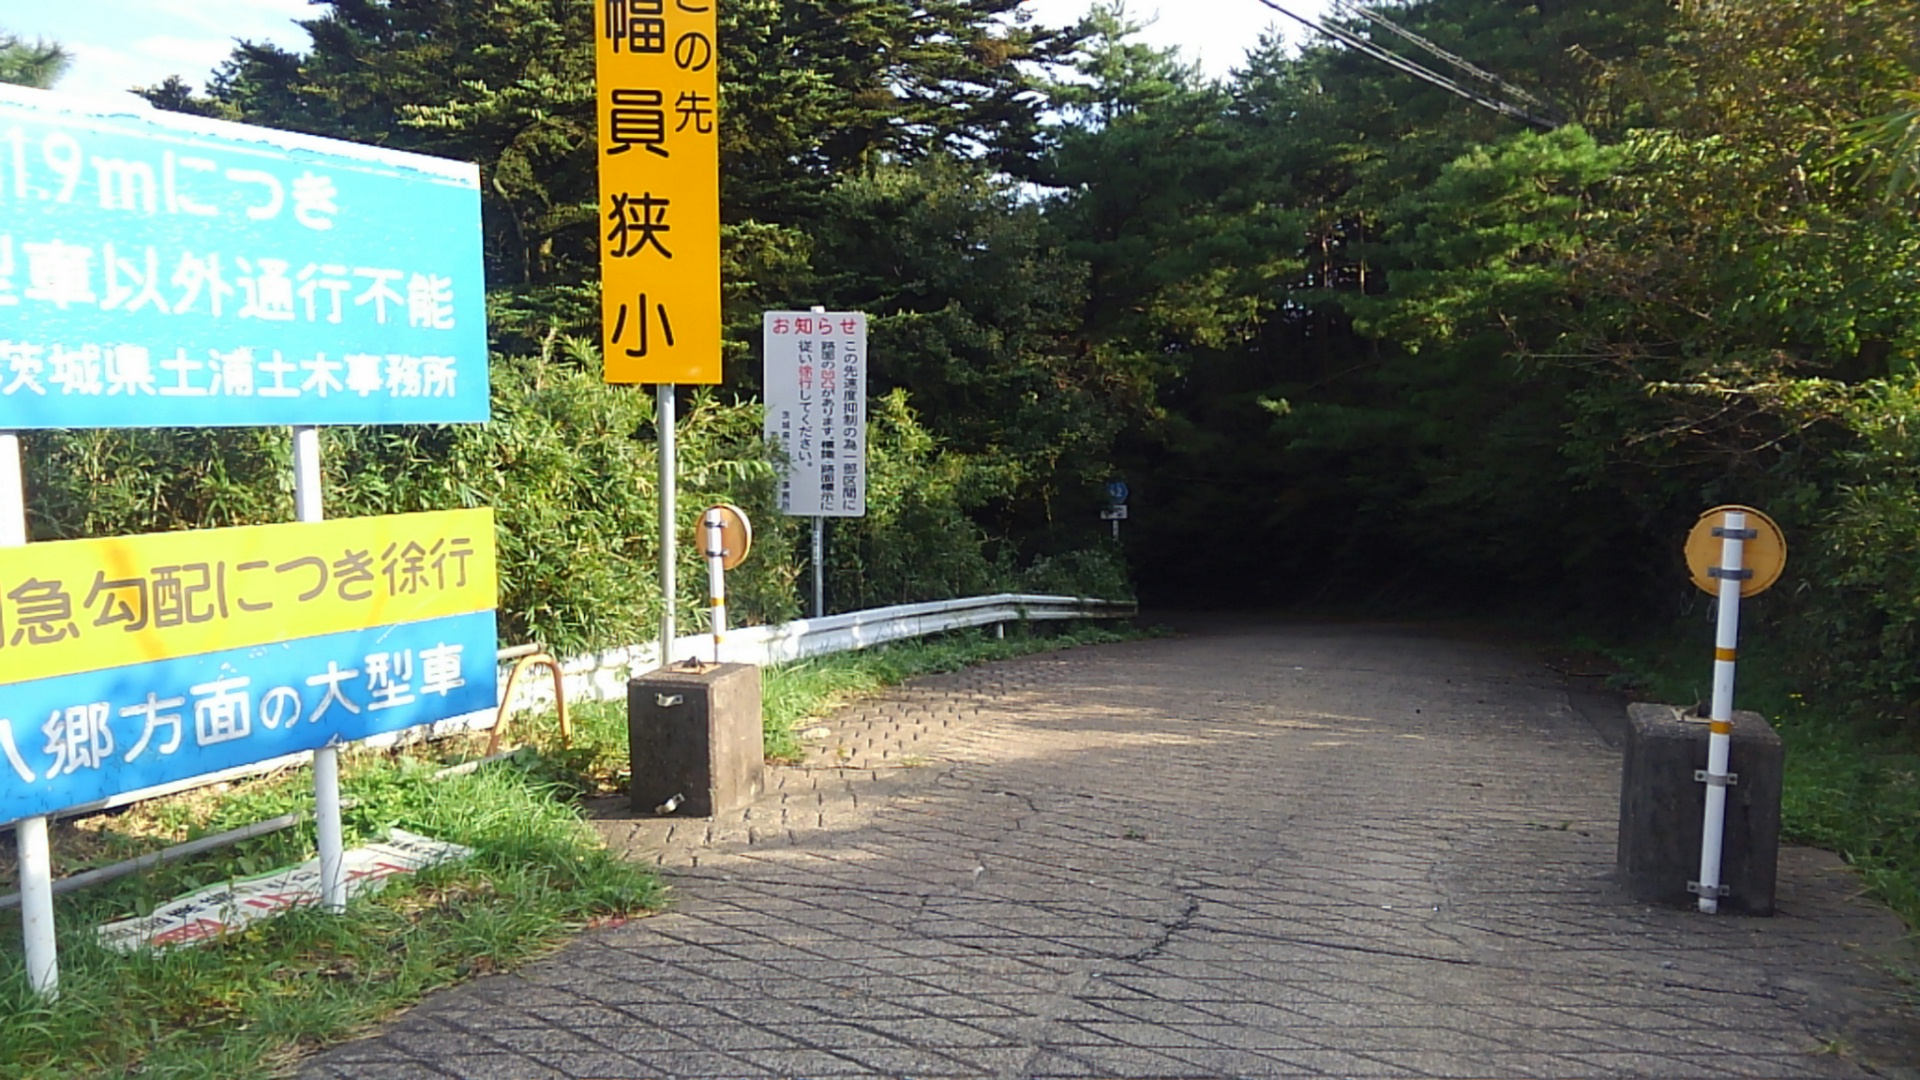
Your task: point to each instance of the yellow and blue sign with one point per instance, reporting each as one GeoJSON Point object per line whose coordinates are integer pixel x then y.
{"type": "Point", "coordinates": [140, 660]}
{"type": "Point", "coordinates": [72, 606]}
{"type": "Point", "coordinates": [84, 737]}
{"type": "Point", "coordinates": [166, 270]}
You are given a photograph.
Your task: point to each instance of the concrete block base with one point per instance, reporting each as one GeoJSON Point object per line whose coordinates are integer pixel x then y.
{"type": "Point", "coordinates": [695, 734]}
{"type": "Point", "coordinates": [1662, 807]}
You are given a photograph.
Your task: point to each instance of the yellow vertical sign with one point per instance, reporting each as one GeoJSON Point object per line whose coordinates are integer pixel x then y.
{"type": "Point", "coordinates": [657, 68]}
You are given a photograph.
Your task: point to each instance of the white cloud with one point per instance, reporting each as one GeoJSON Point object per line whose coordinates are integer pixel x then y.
{"type": "Point", "coordinates": [183, 55]}
{"type": "Point", "coordinates": [1218, 33]}
{"type": "Point", "coordinates": [229, 19]}
{"type": "Point", "coordinates": [121, 43]}
{"type": "Point", "coordinates": [106, 69]}
{"type": "Point", "coordinates": [99, 69]}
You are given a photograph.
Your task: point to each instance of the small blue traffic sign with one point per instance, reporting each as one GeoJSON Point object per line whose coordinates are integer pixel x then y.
{"type": "Point", "coordinates": [1117, 491]}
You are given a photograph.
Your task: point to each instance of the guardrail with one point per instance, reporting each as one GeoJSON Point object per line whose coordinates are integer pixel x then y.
{"type": "Point", "coordinates": [603, 676]}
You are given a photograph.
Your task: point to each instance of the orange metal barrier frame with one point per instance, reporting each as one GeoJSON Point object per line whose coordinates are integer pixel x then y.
{"type": "Point", "coordinates": [506, 700]}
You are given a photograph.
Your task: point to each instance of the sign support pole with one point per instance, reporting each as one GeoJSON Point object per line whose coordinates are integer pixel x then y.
{"type": "Point", "coordinates": [663, 420]}
{"type": "Point", "coordinates": [30, 834]}
{"type": "Point", "coordinates": [1733, 532]}
{"type": "Point", "coordinates": [326, 760]}
{"type": "Point", "coordinates": [819, 566]}
{"type": "Point", "coordinates": [36, 905]}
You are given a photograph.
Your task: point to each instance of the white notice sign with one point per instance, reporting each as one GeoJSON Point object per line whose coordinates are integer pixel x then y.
{"type": "Point", "coordinates": [229, 907]}
{"type": "Point", "coordinates": [816, 394]}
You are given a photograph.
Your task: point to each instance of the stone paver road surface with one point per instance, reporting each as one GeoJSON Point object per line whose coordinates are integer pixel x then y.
{"type": "Point", "coordinates": [1265, 851]}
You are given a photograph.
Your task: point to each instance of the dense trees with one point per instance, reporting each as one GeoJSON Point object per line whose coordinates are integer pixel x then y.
{"type": "Point", "coordinates": [1255, 244]}
{"type": "Point", "coordinates": [1421, 351]}
{"type": "Point", "coordinates": [1518, 362]}
{"type": "Point", "coordinates": [1416, 345]}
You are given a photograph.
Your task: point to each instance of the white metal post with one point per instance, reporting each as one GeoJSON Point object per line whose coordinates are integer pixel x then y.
{"type": "Point", "coordinates": [36, 905]}
{"type": "Point", "coordinates": [328, 835]}
{"type": "Point", "coordinates": [29, 834]}
{"type": "Point", "coordinates": [819, 567]}
{"type": "Point", "coordinates": [716, 545]}
{"type": "Point", "coordinates": [663, 423]}
{"type": "Point", "coordinates": [306, 474]}
{"type": "Point", "coordinates": [1733, 529]}
{"type": "Point", "coordinates": [13, 493]}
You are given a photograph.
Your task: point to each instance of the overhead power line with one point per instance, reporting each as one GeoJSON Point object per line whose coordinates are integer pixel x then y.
{"type": "Point", "coordinates": [1458, 62]}
{"type": "Point", "coordinates": [1395, 60]}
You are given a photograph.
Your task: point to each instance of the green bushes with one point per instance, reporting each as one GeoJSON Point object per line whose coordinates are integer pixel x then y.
{"type": "Point", "coordinates": [916, 542]}
{"type": "Point", "coordinates": [568, 465]}
{"type": "Point", "coordinates": [1852, 629]}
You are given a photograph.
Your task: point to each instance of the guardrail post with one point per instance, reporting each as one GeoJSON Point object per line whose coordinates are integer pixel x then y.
{"type": "Point", "coordinates": [819, 566]}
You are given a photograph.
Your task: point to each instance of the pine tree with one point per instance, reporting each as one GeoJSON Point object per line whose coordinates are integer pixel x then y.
{"type": "Point", "coordinates": [37, 64]}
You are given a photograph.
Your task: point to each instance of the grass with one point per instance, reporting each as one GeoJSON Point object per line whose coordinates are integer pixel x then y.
{"type": "Point", "coordinates": [1847, 788]}
{"type": "Point", "coordinates": [252, 1004]}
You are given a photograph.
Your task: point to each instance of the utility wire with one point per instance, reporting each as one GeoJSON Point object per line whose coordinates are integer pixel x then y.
{"type": "Point", "coordinates": [1458, 62]}
{"type": "Point", "coordinates": [1395, 60]}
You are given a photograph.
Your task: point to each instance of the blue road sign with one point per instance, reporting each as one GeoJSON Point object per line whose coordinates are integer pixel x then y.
{"type": "Point", "coordinates": [79, 738]}
{"type": "Point", "coordinates": [1117, 491]}
{"type": "Point", "coordinates": [166, 270]}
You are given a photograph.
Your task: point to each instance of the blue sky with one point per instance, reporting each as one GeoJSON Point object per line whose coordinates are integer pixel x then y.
{"type": "Point", "coordinates": [122, 43]}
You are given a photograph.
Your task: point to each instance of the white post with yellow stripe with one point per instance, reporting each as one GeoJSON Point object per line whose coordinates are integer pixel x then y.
{"type": "Point", "coordinates": [1733, 533]}
{"type": "Point", "coordinates": [713, 526]}
{"type": "Point", "coordinates": [725, 536]}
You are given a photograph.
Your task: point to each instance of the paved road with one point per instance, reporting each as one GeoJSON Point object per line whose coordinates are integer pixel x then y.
{"type": "Point", "coordinates": [1267, 851]}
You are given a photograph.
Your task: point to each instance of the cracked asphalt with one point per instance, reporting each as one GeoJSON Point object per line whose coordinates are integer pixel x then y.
{"type": "Point", "coordinates": [1262, 849]}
